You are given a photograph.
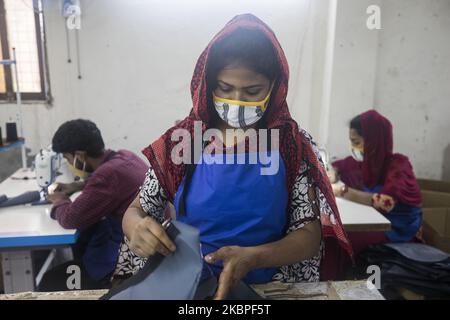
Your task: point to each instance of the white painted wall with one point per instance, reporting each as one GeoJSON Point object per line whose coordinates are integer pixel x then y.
{"type": "Point", "coordinates": [413, 81]}
{"type": "Point", "coordinates": [403, 71]}
{"type": "Point", "coordinates": [137, 59]}
{"type": "Point", "coordinates": [354, 71]}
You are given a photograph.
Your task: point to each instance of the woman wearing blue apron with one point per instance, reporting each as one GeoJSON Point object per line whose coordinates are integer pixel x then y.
{"type": "Point", "coordinates": [376, 176]}
{"type": "Point", "coordinates": [262, 211]}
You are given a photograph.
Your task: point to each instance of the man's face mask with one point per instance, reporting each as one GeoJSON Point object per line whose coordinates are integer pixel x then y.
{"type": "Point", "coordinates": [240, 114]}
{"type": "Point", "coordinates": [83, 174]}
{"type": "Point", "coordinates": [357, 153]}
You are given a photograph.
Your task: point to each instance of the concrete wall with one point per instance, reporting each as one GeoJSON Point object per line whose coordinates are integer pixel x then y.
{"type": "Point", "coordinates": [413, 81]}
{"type": "Point", "coordinates": [354, 71]}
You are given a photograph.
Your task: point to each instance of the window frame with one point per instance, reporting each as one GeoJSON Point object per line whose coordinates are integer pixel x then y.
{"type": "Point", "coordinates": [10, 94]}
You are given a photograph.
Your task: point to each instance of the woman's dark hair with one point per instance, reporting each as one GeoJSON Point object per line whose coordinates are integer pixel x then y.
{"type": "Point", "coordinates": [78, 135]}
{"type": "Point", "coordinates": [249, 48]}
{"type": "Point", "coordinates": [355, 123]}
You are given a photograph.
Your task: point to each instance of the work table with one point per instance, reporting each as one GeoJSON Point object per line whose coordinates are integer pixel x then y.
{"type": "Point", "coordinates": [338, 290]}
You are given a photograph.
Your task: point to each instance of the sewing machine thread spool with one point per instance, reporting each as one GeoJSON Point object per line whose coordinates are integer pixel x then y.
{"type": "Point", "coordinates": [11, 132]}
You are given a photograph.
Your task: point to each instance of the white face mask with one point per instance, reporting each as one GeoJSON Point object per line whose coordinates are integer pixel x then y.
{"type": "Point", "coordinates": [240, 114]}
{"type": "Point", "coordinates": [357, 154]}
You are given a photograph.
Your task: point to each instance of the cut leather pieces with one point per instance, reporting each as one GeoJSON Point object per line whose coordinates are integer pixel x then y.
{"type": "Point", "coordinates": [243, 292]}
{"type": "Point", "coordinates": [178, 276]}
{"type": "Point", "coordinates": [419, 252]}
{"type": "Point", "coordinates": [24, 198]}
{"type": "Point", "coordinates": [175, 277]}
{"type": "Point", "coordinates": [414, 266]}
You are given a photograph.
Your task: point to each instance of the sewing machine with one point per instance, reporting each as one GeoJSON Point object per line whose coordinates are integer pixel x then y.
{"type": "Point", "coordinates": [47, 163]}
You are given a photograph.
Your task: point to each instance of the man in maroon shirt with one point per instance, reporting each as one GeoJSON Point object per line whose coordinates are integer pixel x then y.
{"type": "Point", "coordinates": [110, 181]}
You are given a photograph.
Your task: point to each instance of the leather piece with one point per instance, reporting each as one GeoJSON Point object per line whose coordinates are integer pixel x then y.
{"type": "Point", "coordinates": [414, 266]}
{"type": "Point", "coordinates": [175, 277]}
{"type": "Point", "coordinates": [419, 252]}
{"type": "Point", "coordinates": [24, 198]}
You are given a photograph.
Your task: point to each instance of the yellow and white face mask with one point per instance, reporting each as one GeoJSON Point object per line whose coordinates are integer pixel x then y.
{"type": "Point", "coordinates": [83, 174]}
{"type": "Point", "coordinates": [240, 114]}
{"type": "Point", "coordinates": [357, 153]}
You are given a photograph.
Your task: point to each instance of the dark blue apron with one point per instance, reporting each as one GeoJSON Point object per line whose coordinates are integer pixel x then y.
{"type": "Point", "coordinates": [102, 250]}
{"type": "Point", "coordinates": [405, 220]}
{"type": "Point", "coordinates": [234, 205]}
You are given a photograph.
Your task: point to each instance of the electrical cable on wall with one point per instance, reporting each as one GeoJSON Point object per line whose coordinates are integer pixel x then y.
{"type": "Point", "coordinates": [69, 59]}
{"type": "Point", "coordinates": [71, 11]}
{"type": "Point", "coordinates": [77, 39]}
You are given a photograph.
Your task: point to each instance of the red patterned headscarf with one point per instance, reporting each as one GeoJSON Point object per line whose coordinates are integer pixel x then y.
{"type": "Point", "coordinates": [294, 148]}
{"type": "Point", "coordinates": [378, 144]}
{"type": "Point", "coordinates": [380, 166]}
{"type": "Point", "coordinates": [392, 170]}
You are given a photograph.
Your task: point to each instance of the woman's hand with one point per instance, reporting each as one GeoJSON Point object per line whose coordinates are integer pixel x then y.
{"type": "Point", "coordinates": [149, 237]}
{"type": "Point", "coordinates": [57, 197]}
{"type": "Point", "coordinates": [237, 262]}
{"type": "Point", "coordinates": [332, 175]}
{"type": "Point", "coordinates": [298, 245]}
{"type": "Point", "coordinates": [337, 189]}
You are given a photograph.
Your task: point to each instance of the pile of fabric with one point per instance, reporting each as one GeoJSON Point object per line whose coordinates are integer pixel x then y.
{"type": "Point", "coordinates": [414, 266]}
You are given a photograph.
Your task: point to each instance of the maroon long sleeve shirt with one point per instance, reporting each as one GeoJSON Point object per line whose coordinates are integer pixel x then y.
{"type": "Point", "coordinates": [108, 191]}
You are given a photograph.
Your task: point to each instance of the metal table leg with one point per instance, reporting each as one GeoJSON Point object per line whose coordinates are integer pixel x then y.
{"type": "Point", "coordinates": [17, 271]}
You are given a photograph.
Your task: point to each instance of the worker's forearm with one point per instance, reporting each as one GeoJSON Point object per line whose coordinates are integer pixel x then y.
{"type": "Point", "coordinates": [359, 196]}
{"type": "Point", "coordinates": [79, 185]}
{"type": "Point", "coordinates": [297, 246]}
{"type": "Point", "coordinates": [133, 215]}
